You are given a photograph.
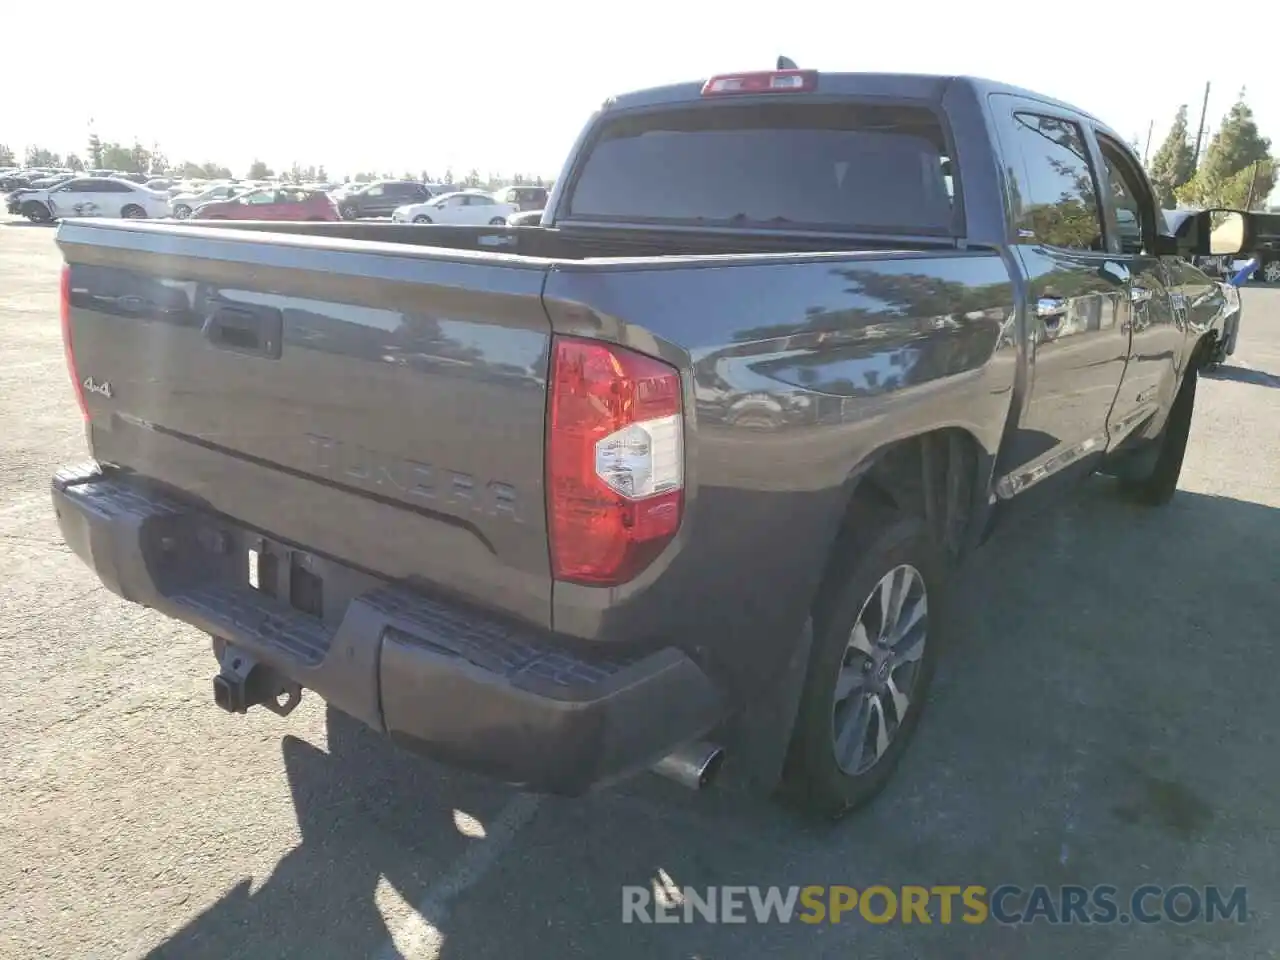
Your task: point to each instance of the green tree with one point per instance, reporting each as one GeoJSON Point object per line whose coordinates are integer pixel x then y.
{"type": "Point", "coordinates": [448, 175]}
{"type": "Point", "coordinates": [258, 170]}
{"type": "Point", "coordinates": [1248, 188]}
{"type": "Point", "coordinates": [472, 179]}
{"type": "Point", "coordinates": [1174, 162]}
{"type": "Point", "coordinates": [1236, 147]}
{"type": "Point", "coordinates": [75, 163]}
{"type": "Point", "coordinates": [95, 151]}
{"type": "Point", "coordinates": [321, 175]}
{"type": "Point", "coordinates": [40, 157]}
{"type": "Point", "coordinates": [7, 159]}
{"type": "Point", "coordinates": [135, 159]}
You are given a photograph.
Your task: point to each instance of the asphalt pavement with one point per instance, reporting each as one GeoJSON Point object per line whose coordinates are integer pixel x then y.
{"type": "Point", "coordinates": [1107, 717]}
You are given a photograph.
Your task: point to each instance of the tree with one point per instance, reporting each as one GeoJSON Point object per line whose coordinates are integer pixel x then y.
{"type": "Point", "coordinates": [1238, 191]}
{"type": "Point", "coordinates": [448, 175]}
{"type": "Point", "coordinates": [472, 179]}
{"type": "Point", "coordinates": [321, 175]}
{"type": "Point", "coordinates": [95, 151]}
{"type": "Point", "coordinates": [258, 170]}
{"type": "Point", "coordinates": [1174, 162]}
{"type": "Point", "coordinates": [7, 159]}
{"type": "Point", "coordinates": [1236, 147]}
{"type": "Point", "coordinates": [40, 157]}
{"type": "Point", "coordinates": [203, 171]}
{"type": "Point", "coordinates": [75, 163]}
{"type": "Point", "coordinates": [135, 159]}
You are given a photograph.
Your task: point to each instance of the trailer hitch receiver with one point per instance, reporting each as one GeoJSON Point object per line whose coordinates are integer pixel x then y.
{"type": "Point", "coordinates": [242, 682]}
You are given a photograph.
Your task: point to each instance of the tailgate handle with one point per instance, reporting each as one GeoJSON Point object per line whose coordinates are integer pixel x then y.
{"type": "Point", "coordinates": [255, 332]}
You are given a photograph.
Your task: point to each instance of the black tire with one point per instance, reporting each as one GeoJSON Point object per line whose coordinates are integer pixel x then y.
{"type": "Point", "coordinates": [884, 541]}
{"type": "Point", "coordinates": [1268, 272]}
{"type": "Point", "coordinates": [497, 222]}
{"type": "Point", "coordinates": [1157, 487]}
{"type": "Point", "coordinates": [36, 212]}
{"type": "Point", "coordinates": [422, 218]}
{"type": "Point", "coordinates": [133, 212]}
{"type": "Point", "coordinates": [348, 213]}
{"type": "Point", "coordinates": [182, 211]}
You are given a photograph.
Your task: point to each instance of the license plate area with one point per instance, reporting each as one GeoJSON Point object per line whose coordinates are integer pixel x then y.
{"type": "Point", "coordinates": [293, 576]}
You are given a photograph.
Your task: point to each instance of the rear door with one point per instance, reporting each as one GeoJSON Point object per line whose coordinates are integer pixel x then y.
{"type": "Point", "coordinates": [1078, 338]}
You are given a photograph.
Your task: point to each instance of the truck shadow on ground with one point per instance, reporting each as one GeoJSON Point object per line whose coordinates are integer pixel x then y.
{"type": "Point", "coordinates": [1074, 734]}
{"type": "Point", "coordinates": [1242, 375]}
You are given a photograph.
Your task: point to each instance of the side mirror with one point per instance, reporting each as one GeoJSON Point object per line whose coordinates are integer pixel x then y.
{"type": "Point", "coordinates": [1213, 232]}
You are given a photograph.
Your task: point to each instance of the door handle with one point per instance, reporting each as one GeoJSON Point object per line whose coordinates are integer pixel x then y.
{"type": "Point", "coordinates": [1051, 309]}
{"type": "Point", "coordinates": [256, 332]}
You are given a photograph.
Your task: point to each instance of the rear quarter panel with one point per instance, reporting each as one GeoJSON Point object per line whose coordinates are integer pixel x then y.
{"type": "Point", "coordinates": [797, 369]}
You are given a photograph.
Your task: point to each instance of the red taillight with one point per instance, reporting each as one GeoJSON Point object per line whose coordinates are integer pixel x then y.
{"type": "Point", "coordinates": [615, 461]}
{"type": "Point", "coordinates": [68, 348]}
{"type": "Point", "coordinates": [770, 81]}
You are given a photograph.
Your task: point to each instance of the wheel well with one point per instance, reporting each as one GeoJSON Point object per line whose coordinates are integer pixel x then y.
{"type": "Point", "coordinates": [933, 476]}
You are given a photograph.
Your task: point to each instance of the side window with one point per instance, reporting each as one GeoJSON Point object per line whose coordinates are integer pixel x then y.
{"type": "Point", "coordinates": [114, 186]}
{"type": "Point", "coordinates": [375, 191]}
{"type": "Point", "coordinates": [1129, 198]}
{"type": "Point", "coordinates": [1057, 202]}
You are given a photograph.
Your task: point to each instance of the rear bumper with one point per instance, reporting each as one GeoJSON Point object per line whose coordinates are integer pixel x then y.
{"type": "Point", "coordinates": [502, 699]}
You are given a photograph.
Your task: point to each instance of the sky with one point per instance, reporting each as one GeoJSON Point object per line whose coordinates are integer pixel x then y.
{"type": "Point", "coordinates": [505, 88]}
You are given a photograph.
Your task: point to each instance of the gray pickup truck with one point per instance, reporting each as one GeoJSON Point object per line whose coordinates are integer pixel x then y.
{"type": "Point", "coordinates": [679, 474]}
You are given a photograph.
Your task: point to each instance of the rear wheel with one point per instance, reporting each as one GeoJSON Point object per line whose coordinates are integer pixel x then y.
{"type": "Point", "coordinates": [421, 218]}
{"type": "Point", "coordinates": [133, 212]}
{"type": "Point", "coordinates": [347, 213]}
{"type": "Point", "coordinates": [876, 636]}
{"type": "Point", "coordinates": [182, 211]}
{"type": "Point", "coordinates": [1271, 271]}
{"type": "Point", "coordinates": [1157, 485]}
{"type": "Point", "coordinates": [496, 222]}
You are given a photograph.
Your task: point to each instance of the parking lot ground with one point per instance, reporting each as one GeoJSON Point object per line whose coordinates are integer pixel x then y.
{"type": "Point", "coordinates": [1107, 716]}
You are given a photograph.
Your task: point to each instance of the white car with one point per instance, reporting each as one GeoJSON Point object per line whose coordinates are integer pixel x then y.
{"type": "Point", "coordinates": [184, 203]}
{"type": "Point", "coordinates": [101, 197]}
{"type": "Point", "coordinates": [465, 207]}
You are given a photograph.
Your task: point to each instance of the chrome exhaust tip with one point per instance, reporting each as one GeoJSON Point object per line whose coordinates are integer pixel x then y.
{"type": "Point", "coordinates": [694, 765]}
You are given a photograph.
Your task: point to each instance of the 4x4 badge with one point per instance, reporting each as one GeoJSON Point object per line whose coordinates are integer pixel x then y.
{"type": "Point", "coordinates": [102, 389]}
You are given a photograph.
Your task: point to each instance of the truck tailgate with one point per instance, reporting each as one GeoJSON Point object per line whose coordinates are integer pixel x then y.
{"type": "Point", "coordinates": [377, 403]}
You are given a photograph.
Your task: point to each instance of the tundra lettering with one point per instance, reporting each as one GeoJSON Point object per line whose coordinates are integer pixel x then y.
{"type": "Point", "coordinates": [351, 463]}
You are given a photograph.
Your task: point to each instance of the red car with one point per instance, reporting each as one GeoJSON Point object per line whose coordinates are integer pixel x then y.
{"type": "Point", "coordinates": [271, 203]}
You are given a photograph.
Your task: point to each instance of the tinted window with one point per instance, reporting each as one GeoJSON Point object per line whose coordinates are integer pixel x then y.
{"type": "Point", "coordinates": [115, 186]}
{"type": "Point", "coordinates": [844, 166]}
{"type": "Point", "coordinates": [478, 201]}
{"type": "Point", "coordinates": [1056, 202]}
{"type": "Point", "coordinates": [375, 191]}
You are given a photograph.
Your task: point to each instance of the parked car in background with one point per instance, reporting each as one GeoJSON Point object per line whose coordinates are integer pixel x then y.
{"type": "Point", "coordinates": [466, 207]}
{"type": "Point", "coordinates": [89, 197]}
{"type": "Point", "coordinates": [184, 203]}
{"type": "Point", "coordinates": [380, 198]}
{"type": "Point", "coordinates": [522, 197]}
{"type": "Point", "coordinates": [268, 203]}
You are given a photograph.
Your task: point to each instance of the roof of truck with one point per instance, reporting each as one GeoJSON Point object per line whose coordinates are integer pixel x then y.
{"type": "Point", "coordinates": [915, 86]}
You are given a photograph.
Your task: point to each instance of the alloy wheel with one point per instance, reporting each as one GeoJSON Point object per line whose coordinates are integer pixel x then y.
{"type": "Point", "coordinates": [879, 670]}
